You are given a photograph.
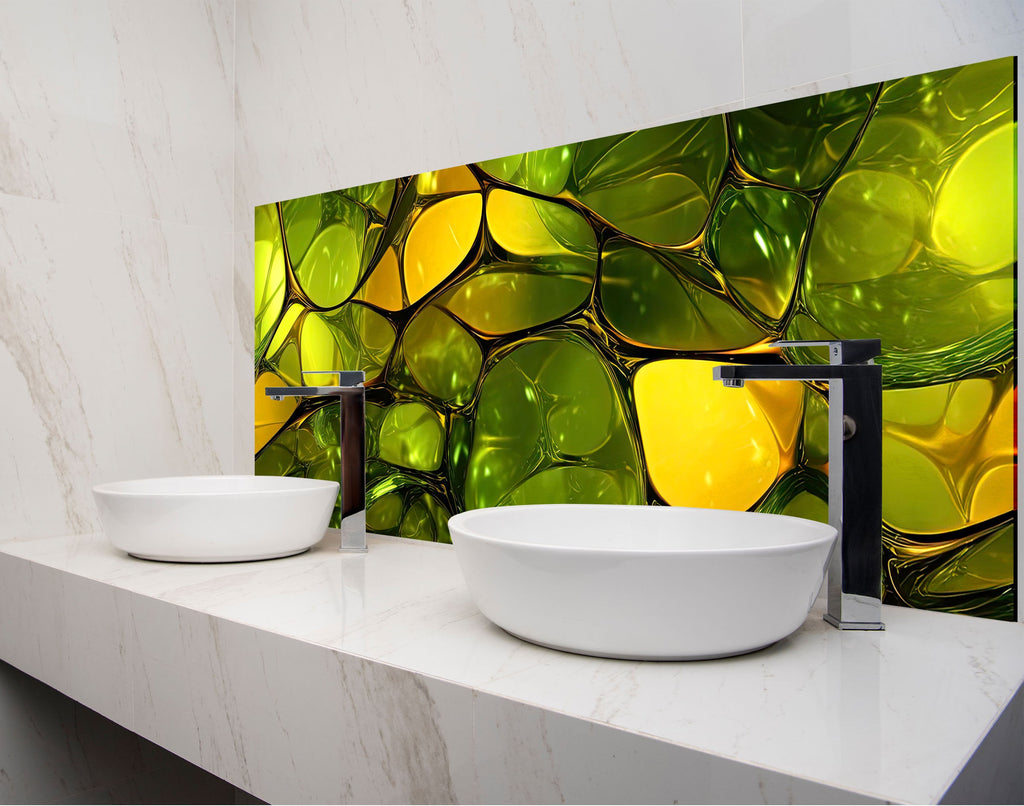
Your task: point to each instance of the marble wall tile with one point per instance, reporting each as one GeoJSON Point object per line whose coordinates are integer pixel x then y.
{"type": "Point", "coordinates": [817, 45]}
{"type": "Point", "coordinates": [115, 338]}
{"type": "Point", "coordinates": [116, 308]}
{"type": "Point", "coordinates": [331, 95]}
{"type": "Point", "coordinates": [119, 106]}
{"type": "Point", "coordinates": [243, 340]}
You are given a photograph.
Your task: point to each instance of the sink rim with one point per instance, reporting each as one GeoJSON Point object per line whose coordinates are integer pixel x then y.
{"type": "Point", "coordinates": [825, 532]}
{"type": "Point", "coordinates": [264, 485]}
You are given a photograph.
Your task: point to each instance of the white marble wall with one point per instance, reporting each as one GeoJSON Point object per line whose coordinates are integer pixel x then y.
{"type": "Point", "coordinates": [335, 94]}
{"type": "Point", "coordinates": [116, 311]}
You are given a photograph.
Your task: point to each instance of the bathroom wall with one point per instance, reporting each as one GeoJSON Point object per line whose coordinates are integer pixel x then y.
{"type": "Point", "coordinates": [485, 83]}
{"type": "Point", "coordinates": [116, 312]}
{"type": "Point", "coordinates": [116, 317]}
{"type": "Point", "coordinates": [131, 160]}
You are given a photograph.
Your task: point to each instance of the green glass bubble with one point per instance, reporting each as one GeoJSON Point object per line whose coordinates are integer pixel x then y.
{"type": "Point", "coordinates": [376, 195]}
{"type": "Point", "coordinates": [552, 417]}
{"type": "Point", "coordinates": [502, 299]}
{"type": "Point", "coordinates": [412, 436]}
{"type": "Point", "coordinates": [649, 301]}
{"type": "Point", "coordinates": [983, 565]}
{"type": "Point", "coordinates": [301, 222]}
{"type": "Point", "coordinates": [800, 143]}
{"type": "Point", "coordinates": [815, 429]}
{"type": "Point", "coordinates": [547, 170]}
{"type": "Point", "coordinates": [385, 513]}
{"type": "Point", "coordinates": [809, 506]}
{"type": "Point", "coordinates": [460, 435]}
{"type": "Point", "coordinates": [277, 459]}
{"type": "Point", "coordinates": [426, 519]}
{"type": "Point", "coordinates": [755, 238]}
{"type": "Point", "coordinates": [570, 233]}
{"type": "Point", "coordinates": [871, 224]}
{"type": "Point", "coordinates": [543, 171]}
{"type": "Point", "coordinates": [374, 414]}
{"type": "Point", "coordinates": [270, 288]}
{"type": "Point", "coordinates": [330, 270]}
{"type": "Point", "coordinates": [324, 425]}
{"type": "Point", "coordinates": [573, 485]}
{"type": "Point", "coordinates": [355, 337]}
{"type": "Point", "coordinates": [326, 464]}
{"type": "Point", "coordinates": [503, 168]}
{"type": "Point", "coordinates": [444, 359]}
{"type": "Point", "coordinates": [655, 184]}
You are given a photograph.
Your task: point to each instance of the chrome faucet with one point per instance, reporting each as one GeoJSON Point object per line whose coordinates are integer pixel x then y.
{"type": "Point", "coordinates": [854, 599]}
{"type": "Point", "coordinates": [352, 442]}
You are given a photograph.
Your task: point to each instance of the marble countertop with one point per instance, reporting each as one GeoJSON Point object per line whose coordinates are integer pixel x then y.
{"type": "Point", "coordinates": [822, 715]}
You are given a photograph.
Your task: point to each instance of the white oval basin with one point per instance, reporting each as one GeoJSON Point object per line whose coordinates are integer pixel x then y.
{"type": "Point", "coordinates": [210, 519]}
{"type": "Point", "coordinates": [639, 582]}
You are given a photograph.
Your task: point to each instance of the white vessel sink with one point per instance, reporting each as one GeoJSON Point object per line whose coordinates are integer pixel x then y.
{"type": "Point", "coordinates": [647, 583]}
{"type": "Point", "coordinates": [209, 519]}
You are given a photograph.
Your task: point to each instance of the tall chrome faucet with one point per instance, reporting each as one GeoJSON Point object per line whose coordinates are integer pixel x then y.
{"type": "Point", "coordinates": [854, 469]}
{"type": "Point", "coordinates": [352, 442]}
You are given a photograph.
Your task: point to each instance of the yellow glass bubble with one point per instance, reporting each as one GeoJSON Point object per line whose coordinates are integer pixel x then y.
{"type": "Point", "coordinates": [271, 415]}
{"type": "Point", "coordinates": [515, 225]}
{"type": "Point", "coordinates": [440, 239]}
{"type": "Point", "coordinates": [710, 446]}
{"type": "Point", "coordinates": [383, 287]}
{"type": "Point", "coordinates": [270, 270]}
{"type": "Point", "coordinates": [284, 329]}
{"type": "Point", "coordinates": [974, 221]}
{"type": "Point", "coordinates": [319, 349]}
{"type": "Point", "coordinates": [958, 456]}
{"type": "Point", "coordinates": [969, 405]}
{"type": "Point", "coordinates": [330, 269]}
{"type": "Point", "coordinates": [909, 478]}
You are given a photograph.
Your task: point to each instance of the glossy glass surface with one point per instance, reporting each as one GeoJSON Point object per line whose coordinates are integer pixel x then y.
{"type": "Point", "coordinates": [541, 328]}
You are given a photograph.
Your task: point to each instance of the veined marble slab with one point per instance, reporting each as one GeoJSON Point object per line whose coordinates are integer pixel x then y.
{"type": "Point", "coordinates": [343, 678]}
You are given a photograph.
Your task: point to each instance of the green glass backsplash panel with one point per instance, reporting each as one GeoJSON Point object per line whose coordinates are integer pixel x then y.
{"type": "Point", "coordinates": [541, 327]}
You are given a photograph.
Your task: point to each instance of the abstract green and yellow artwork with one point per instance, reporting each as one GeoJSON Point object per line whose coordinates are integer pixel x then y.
{"type": "Point", "coordinates": [542, 327]}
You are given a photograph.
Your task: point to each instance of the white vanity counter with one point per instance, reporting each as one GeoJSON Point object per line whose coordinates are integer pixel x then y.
{"type": "Point", "coordinates": [373, 679]}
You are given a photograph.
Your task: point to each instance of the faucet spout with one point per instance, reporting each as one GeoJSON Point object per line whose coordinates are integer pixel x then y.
{"type": "Point", "coordinates": [352, 443]}
{"type": "Point", "coordinates": [855, 470]}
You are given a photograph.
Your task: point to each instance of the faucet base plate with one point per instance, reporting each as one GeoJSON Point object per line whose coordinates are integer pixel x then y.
{"type": "Point", "coordinates": [853, 625]}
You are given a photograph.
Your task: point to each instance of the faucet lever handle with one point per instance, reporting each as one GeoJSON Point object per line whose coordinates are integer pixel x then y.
{"type": "Point", "coordinates": [842, 351]}
{"type": "Point", "coordinates": [345, 377]}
